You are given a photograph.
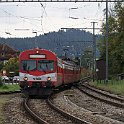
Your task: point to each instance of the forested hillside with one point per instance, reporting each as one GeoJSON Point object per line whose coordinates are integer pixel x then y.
{"type": "Point", "coordinates": [74, 40]}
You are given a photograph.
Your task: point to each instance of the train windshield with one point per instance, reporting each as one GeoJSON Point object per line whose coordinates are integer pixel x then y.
{"type": "Point", "coordinates": [45, 65]}
{"type": "Point", "coordinates": [28, 65]}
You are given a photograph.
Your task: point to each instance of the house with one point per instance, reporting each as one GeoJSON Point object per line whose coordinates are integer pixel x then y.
{"type": "Point", "coordinates": [7, 52]}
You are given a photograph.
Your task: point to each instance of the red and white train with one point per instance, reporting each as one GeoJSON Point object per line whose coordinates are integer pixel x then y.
{"type": "Point", "coordinates": [41, 71]}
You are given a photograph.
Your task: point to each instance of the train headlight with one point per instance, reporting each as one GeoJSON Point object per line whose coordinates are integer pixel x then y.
{"type": "Point", "coordinates": [25, 78]}
{"type": "Point", "coordinates": [48, 78]}
{"type": "Point", "coordinates": [37, 51]}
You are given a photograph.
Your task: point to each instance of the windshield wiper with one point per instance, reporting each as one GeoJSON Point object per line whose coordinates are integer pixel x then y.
{"type": "Point", "coordinates": [43, 70]}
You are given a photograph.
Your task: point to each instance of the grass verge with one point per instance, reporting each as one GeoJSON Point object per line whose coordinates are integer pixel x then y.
{"type": "Point", "coordinates": [8, 87]}
{"type": "Point", "coordinates": [116, 87]}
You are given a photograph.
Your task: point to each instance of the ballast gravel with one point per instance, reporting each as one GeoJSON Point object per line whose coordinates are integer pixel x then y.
{"type": "Point", "coordinates": [44, 111]}
{"type": "Point", "coordinates": [92, 115]}
{"type": "Point", "coordinates": [72, 101]}
{"type": "Point", "coordinates": [15, 113]}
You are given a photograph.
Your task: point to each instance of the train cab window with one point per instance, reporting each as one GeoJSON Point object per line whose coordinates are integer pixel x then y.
{"type": "Point", "coordinates": [45, 65]}
{"type": "Point", "coordinates": [28, 65]}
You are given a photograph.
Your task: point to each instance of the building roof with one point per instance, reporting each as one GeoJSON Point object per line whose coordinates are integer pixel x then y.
{"type": "Point", "coordinates": [7, 52]}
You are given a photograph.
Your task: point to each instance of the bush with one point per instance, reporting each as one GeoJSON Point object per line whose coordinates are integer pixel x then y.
{"type": "Point", "coordinates": [4, 87]}
{"type": "Point", "coordinates": [1, 82]}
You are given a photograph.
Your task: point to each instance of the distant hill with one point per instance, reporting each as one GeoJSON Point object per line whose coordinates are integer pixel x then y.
{"type": "Point", "coordinates": [72, 41]}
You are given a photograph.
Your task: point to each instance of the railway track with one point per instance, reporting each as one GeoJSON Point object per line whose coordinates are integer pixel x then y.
{"type": "Point", "coordinates": [41, 120]}
{"type": "Point", "coordinates": [78, 104]}
{"type": "Point", "coordinates": [38, 119]}
{"type": "Point", "coordinates": [65, 114]}
{"type": "Point", "coordinates": [31, 113]}
{"type": "Point", "coordinates": [99, 95]}
{"type": "Point", "coordinates": [112, 96]}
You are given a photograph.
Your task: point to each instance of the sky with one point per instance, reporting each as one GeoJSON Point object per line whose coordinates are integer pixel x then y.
{"type": "Point", "coordinates": [22, 19]}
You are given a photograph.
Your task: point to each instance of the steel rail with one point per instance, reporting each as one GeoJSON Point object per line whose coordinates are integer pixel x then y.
{"type": "Point", "coordinates": [65, 114]}
{"type": "Point", "coordinates": [41, 121]}
{"type": "Point", "coordinates": [85, 79]}
{"type": "Point", "coordinates": [120, 105]}
{"type": "Point", "coordinates": [31, 113]}
{"type": "Point", "coordinates": [103, 93]}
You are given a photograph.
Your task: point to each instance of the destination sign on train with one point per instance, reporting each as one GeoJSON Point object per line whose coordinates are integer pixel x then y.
{"type": "Point", "coordinates": [38, 56]}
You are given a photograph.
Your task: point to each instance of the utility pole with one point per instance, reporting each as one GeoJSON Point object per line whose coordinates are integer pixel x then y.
{"type": "Point", "coordinates": [36, 45]}
{"type": "Point", "coordinates": [94, 45]}
{"type": "Point", "coordinates": [94, 51]}
{"type": "Point", "coordinates": [106, 41]}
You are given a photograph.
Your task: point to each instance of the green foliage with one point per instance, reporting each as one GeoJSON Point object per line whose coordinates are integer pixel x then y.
{"type": "Point", "coordinates": [86, 58]}
{"type": "Point", "coordinates": [7, 88]}
{"type": "Point", "coordinates": [4, 87]}
{"type": "Point", "coordinates": [0, 82]}
{"type": "Point", "coordinates": [12, 66]}
{"type": "Point", "coordinates": [1, 65]}
{"type": "Point", "coordinates": [115, 40]}
{"type": "Point", "coordinates": [113, 86]}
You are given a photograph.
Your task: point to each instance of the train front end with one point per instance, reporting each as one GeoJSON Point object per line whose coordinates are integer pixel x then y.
{"type": "Point", "coordinates": [37, 70]}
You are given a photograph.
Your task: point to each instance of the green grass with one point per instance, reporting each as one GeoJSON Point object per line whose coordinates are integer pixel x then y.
{"type": "Point", "coordinates": [116, 87]}
{"type": "Point", "coordinates": [7, 88]}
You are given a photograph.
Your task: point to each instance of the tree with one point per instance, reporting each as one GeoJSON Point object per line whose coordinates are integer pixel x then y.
{"type": "Point", "coordinates": [86, 58]}
{"type": "Point", "coordinates": [12, 66]}
{"type": "Point", "coordinates": [115, 39]}
{"type": "Point", "coordinates": [1, 65]}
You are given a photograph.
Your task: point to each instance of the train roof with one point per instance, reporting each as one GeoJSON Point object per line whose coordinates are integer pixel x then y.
{"type": "Point", "coordinates": [41, 53]}
{"type": "Point", "coordinates": [63, 58]}
{"type": "Point", "coordinates": [38, 49]}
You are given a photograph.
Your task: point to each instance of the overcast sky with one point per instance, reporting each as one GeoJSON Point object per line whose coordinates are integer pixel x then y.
{"type": "Point", "coordinates": [21, 19]}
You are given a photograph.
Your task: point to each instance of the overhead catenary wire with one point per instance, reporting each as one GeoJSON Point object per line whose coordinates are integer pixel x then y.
{"type": "Point", "coordinates": [23, 17]}
{"type": "Point", "coordinates": [26, 19]}
{"type": "Point", "coordinates": [44, 7]}
{"type": "Point", "coordinates": [41, 19]}
{"type": "Point", "coordinates": [49, 19]}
